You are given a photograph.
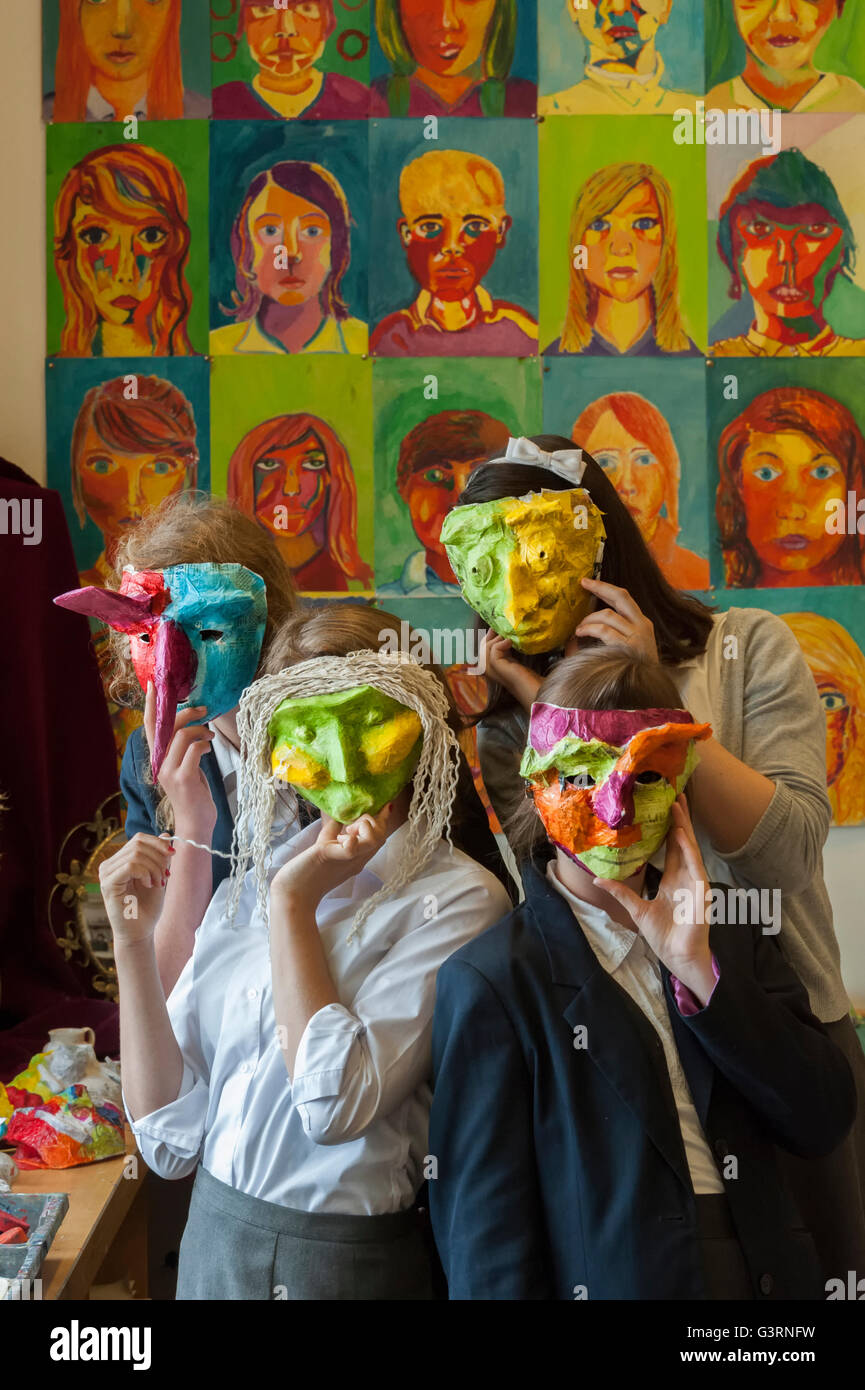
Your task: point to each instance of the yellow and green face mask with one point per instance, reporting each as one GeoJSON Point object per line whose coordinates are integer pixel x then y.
{"type": "Point", "coordinates": [349, 752]}
{"type": "Point", "coordinates": [519, 562]}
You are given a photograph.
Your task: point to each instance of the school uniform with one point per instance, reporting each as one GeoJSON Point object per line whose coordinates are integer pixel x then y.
{"type": "Point", "coordinates": [305, 1184]}
{"type": "Point", "coordinates": [584, 1154]}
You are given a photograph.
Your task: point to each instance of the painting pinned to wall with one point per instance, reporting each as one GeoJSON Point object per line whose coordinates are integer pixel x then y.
{"type": "Point", "coordinates": [299, 60]}
{"type": "Point", "coordinates": [617, 201]}
{"type": "Point", "coordinates": [650, 439]}
{"type": "Point", "coordinates": [424, 452]}
{"type": "Point", "coordinates": [454, 223]}
{"type": "Point", "coordinates": [291, 445]}
{"type": "Point", "coordinates": [790, 451]}
{"type": "Point", "coordinates": [454, 58]}
{"type": "Point", "coordinates": [289, 237]}
{"type": "Point", "coordinates": [103, 60]}
{"type": "Point", "coordinates": [830, 630]}
{"type": "Point", "coordinates": [120, 441]}
{"type": "Point", "coordinates": [785, 224]}
{"type": "Point", "coordinates": [619, 57]}
{"type": "Point", "coordinates": [808, 55]}
{"type": "Point", "coordinates": [127, 240]}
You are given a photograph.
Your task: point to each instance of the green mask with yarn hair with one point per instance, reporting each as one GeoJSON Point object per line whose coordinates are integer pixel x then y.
{"type": "Point", "coordinates": [349, 752]}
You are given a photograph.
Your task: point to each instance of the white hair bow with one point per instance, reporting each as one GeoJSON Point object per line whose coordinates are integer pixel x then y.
{"type": "Point", "coordinates": [566, 463]}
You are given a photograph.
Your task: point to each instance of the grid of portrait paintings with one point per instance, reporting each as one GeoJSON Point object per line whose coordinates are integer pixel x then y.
{"type": "Point", "coordinates": [321, 257]}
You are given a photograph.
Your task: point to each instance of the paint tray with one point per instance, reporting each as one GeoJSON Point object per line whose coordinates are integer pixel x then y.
{"type": "Point", "coordinates": [44, 1211]}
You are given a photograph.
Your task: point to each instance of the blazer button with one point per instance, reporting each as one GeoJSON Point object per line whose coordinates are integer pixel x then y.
{"type": "Point", "coordinates": [767, 1283]}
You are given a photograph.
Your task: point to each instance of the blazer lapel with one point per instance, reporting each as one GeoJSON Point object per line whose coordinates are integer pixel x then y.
{"type": "Point", "coordinates": [620, 1040]}
{"type": "Point", "coordinates": [698, 1067]}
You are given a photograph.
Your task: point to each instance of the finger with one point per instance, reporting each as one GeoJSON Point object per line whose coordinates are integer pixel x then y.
{"type": "Point", "coordinates": [191, 760]}
{"type": "Point", "coordinates": [602, 632]}
{"type": "Point", "coordinates": [330, 832]}
{"type": "Point", "coordinates": [616, 597]}
{"type": "Point", "coordinates": [150, 713]}
{"type": "Point", "coordinates": [608, 616]}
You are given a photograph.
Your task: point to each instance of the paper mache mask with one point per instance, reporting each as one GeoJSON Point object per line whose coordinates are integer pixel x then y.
{"type": "Point", "coordinates": [195, 631]}
{"type": "Point", "coordinates": [519, 562]}
{"type": "Point", "coordinates": [348, 752]}
{"type": "Point", "coordinates": [604, 781]}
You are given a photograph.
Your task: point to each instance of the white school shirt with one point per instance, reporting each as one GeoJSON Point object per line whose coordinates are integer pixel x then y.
{"type": "Point", "coordinates": [285, 821]}
{"type": "Point", "coordinates": [348, 1133]}
{"type": "Point", "coordinates": [631, 962]}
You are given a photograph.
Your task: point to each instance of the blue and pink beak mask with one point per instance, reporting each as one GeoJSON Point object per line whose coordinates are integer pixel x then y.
{"type": "Point", "coordinates": [195, 632]}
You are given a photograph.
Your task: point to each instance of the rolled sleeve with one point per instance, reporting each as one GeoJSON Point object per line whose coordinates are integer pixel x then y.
{"type": "Point", "coordinates": [170, 1138]}
{"type": "Point", "coordinates": [326, 1059]}
{"type": "Point", "coordinates": [686, 1001]}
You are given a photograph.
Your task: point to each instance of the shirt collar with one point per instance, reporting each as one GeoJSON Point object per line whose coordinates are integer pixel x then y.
{"type": "Point", "coordinates": [610, 941]}
{"type": "Point", "coordinates": [421, 307]}
{"type": "Point", "coordinates": [631, 86]}
{"type": "Point", "coordinates": [254, 339]}
{"type": "Point", "coordinates": [770, 347]}
{"type": "Point", "coordinates": [101, 110]}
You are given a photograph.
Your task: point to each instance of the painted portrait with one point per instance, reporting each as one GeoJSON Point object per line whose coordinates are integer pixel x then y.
{"type": "Point", "coordinates": [838, 667]}
{"type": "Point", "coordinates": [465, 231]}
{"type": "Point", "coordinates": [289, 258]}
{"type": "Point", "coordinates": [118, 446]}
{"type": "Point", "coordinates": [290, 61]}
{"type": "Point", "coordinates": [105, 60]}
{"type": "Point", "coordinates": [619, 57]}
{"type": "Point", "coordinates": [122, 232]}
{"type": "Point", "coordinates": [426, 445]}
{"type": "Point", "coordinates": [791, 55]}
{"type": "Point", "coordinates": [633, 443]}
{"type": "Point", "coordinates": [455, 58]}
{"type": "Point", "coordinates": [786, 242]}
{"type": "Point", "coordinates": [623, 295]}
{"type": "Point", "coordinates": [786, 461]}
{"type": "Point", "coordinates": [292, 446]}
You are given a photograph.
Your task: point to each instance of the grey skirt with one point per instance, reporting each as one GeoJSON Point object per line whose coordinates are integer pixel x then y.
{"type": "Point", "coordinates": [240, 1247]}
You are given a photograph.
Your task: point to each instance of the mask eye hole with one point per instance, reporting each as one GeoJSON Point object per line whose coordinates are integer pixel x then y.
{"type": "Point", "coordinates": [582, 780]}
{"type": "Point", "coordinates": [482, 569]}
{"type": "Point", "coordinates": [646, 779]}
{"type": "Point", "coordinates": [305, 733]}
{"type": "Point", "coordinates": [210, 634]}
{"type": "Point", "coordinates": [144, 637]}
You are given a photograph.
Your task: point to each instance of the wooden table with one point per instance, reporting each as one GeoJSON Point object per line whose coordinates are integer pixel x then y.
{"type": "Point", "coordinates": [103, 1238]}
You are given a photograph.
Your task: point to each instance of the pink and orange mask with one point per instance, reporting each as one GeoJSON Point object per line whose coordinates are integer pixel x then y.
{"type": "Point", "coordinates": [195, 632]}
{"type": "Point", "coordinates": [604, 781]}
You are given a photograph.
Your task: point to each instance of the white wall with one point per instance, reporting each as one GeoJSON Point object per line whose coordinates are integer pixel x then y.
{"type": "Point", "coordinates": [22, 353]}
{"type": "Point", "coordinates": [22, 238]}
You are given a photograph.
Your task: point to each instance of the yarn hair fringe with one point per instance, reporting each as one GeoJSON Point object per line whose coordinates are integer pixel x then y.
{"type": "Point", "coordinates": [435, 778]}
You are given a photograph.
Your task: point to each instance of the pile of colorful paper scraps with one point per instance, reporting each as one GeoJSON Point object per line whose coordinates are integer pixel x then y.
{"type": "Point", "coordinates": [56, 1127]}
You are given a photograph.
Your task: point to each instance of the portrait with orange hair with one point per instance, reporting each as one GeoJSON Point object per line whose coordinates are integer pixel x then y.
{"type": "Point", "coordinates": [786, 463]}
{"type": "Point", "coordinates": [121, 247]}
{"type": "Point", "coordinates": [109, 59]}
{"type": "Point", "coordinates": [292, 473]}
{"type": "Point", "coordinates": [633, 443]}
{"type": "Point", "coordinates": [838, 667]}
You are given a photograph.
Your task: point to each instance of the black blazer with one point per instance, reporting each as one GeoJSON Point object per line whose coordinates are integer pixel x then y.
{"type": "Point", "coordinates": [562, 1168]}
{"type": "Point", "coordinates": [470, 826]}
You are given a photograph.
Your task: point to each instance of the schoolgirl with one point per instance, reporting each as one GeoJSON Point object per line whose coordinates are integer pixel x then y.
{"type": "Point", "coordinates": [758, 795]}
{"type": "Point", "coordinates": [614, 1078]}
{"type": "Point", "coordinates": [291, 1062]}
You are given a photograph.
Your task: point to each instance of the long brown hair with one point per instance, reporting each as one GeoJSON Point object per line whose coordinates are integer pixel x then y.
{"type": "Point", "coordinates": [614, 677]}
{"type": "Point", "coordinates": [825, 421]}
